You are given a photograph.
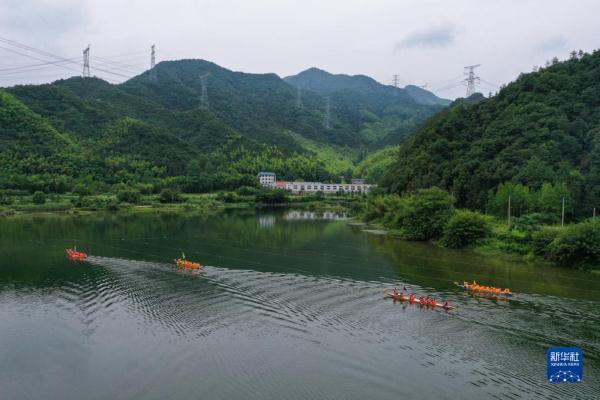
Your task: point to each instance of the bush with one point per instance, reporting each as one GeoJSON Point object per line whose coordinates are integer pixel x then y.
{"type": "Point", "coordinates": [427, 213]}
{"type": "Point", "coordinates": [247, 191]}
{"type": "Point", "coordinates": [169, 195]}
{"type": "Point", "coordinates": [420, 216]}
{"type": "Point", "coordinates": [540, 240]}
{"type": "Point", "coordinates": [5, 200]}
{"type": "Point", "coordinates": [272, 196]}
{"type": "Point", "coordinates": [82, 190]}
{"type": "Point", "coordinates": [228, 197]}
{"type": "Point", "coordinates": [528, 223]}
{"type": "Point", "coordinates": [144, 188]}
{"type": "Point", "coordinates": [576, 245]}
{"type": "Point", "coordinates": [112, 205]}
{"type": "Point", "coordinates": [39, 197]}
{"type": "Point", "coordinates": [465, 228]}
{"type": "Point", "coordinates": [131, 196]}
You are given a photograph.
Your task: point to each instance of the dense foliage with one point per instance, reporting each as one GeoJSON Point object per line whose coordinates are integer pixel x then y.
{"type": "Point", "coordinates": [465, 228]}
{"type": "Point", "coordinates": [547, 202]}
{"type": "Point", "coordinates": [419, 216]}
{"type": "Point", "coordinates": [159, 131]}
{"type": "Point", "coordinates": [544, 128]}
{"type": "Point", "coordinates": [381, 114]}
{"type": "Point", "coordinates": [577, 245]}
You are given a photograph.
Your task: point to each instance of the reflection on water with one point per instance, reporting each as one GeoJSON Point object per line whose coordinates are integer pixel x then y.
{"type": "Point", "coordinates": [312, 215]}
{"type": "Point", "coordinates": [293, 311]}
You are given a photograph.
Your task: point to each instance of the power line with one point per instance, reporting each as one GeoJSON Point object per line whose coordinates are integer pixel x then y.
{"type": "Point", "coordinates": [86, 67]}
{"type": "Point", "coordinates": [42, 65]}
{"type": "Point", "coordinates": [110, 64]}
{"type": "Point", "coordinates": [57, 63]}
{"type": "Point", "coordinates": [489, 83]}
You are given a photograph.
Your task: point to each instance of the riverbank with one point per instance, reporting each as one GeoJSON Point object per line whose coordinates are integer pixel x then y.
{"type": "Point", "coordinates": [492, 247]}
{"type": "Point", "coordinates": [184, 203]}
{"type": "Point", "coordinates": [429, 215]}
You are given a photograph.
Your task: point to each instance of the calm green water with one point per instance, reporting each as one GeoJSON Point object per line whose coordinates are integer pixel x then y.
{"type": "Point", "coordinates": [290, 306]}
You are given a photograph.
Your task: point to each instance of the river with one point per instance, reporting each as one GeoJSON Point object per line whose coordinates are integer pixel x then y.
{"type": "Point", "coordinates": [289, 306]}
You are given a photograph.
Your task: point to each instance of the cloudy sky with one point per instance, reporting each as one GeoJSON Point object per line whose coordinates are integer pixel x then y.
{"type": "Point", "coordinates": [424, 42]}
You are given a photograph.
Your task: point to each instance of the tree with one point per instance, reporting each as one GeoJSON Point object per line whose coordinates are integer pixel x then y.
{"type": "Point", "coordinates": [39, 197]}
{"type": "Point", "coordinates": [426, 214]}
{"type": "Point", "coordinates": [521, 200]}
{"type": "Point", "coordinates": [131, 196]}
{"type": "Point", "coordinates": [577, 245]}
{"type": "Point", "coordinates": [169, 195]}
{"type": "Point", "coordinates": [550, 200]}
{"type": "Point", "coordinates": [272, 196]}
{"type": "Point", "coordinates": [465, 228]}
{"type": "Point", "coordinates": [534, 173]}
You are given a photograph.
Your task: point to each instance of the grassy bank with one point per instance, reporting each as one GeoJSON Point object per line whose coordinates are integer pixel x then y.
{"type": "Point", "coordinates": [429, 215]}
{"type": "Point", "coordinates": [179, 203]}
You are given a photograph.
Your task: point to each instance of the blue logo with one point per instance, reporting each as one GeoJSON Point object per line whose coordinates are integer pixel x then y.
{"type": "Point", "coordinates": [565, 364]}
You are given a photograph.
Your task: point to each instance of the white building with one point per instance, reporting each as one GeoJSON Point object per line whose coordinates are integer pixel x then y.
{"type": "Point", "coordinates": [266, 178]}
{"type": "Point", "coordinates": [313, 187]}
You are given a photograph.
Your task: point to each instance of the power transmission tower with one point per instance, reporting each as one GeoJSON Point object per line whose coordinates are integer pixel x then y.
{"type": "Point", "coordinates": [152, 62]}
{"type": "Point", "coordinates": [299, 103]}
{"type": "Point", "coordinates": [86, 62]}
{"type": "Point", "coordinates": [152, 56]}
{"type": "Point", "coordinates": [395, 79]}
{"type": "Point", "coordinates": [327, 121]}
{"type": "Point", "coordinates": [471, 79]}
{"type": "Point", "coordinates": [204, 93]}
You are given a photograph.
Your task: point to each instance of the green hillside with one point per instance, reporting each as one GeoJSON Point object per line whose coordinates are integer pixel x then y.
{"type": "Point", "coordinates": [170, 127]}
{"type": "Point", "coordinates": [542, 128]}
{"type": "Point", "coordinates": [381, 114]}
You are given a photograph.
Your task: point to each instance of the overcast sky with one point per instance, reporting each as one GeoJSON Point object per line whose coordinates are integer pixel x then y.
{"type": "Point", "coordinates": [425, 42]}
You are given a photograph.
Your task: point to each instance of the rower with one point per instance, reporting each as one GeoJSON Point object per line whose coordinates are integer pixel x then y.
{"type": "Point", "coordinates": [395, 293]}
{"type": "Point", "coordinates": [446, 305]}
{"type": "Point", "coordinates": [412, 298]}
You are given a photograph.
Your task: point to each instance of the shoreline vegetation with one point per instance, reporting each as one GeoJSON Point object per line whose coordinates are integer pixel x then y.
{"type": "Point", "coordinates": [424, 215]}
{"type": "Point", "coordinates": [430, 215]}
{"type": "Point", "coordinates": [14, 203]}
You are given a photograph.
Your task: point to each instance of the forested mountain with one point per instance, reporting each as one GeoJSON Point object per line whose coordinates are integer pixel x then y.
{"type": "Point", "coordinates": [326, 83]}
{"type": "Point", "coordinates": [382, 115]}
{"type": "Point", "coordinates": [542, 128]}
{"type": "Point", "coordinates": [423, 96]}
{"type": "Point", "coordinates": [193, 124]}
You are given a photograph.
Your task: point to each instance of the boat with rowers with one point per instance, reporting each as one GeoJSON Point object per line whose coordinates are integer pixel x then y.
{"type": "Point", "coordinates": [75, 255]}
{"type": "Point", "coordinates": [185, 264]}
{"type": "Point", "coordinates": [413, 299]}
{"type": "Point", "coordinates": [474, 287]}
